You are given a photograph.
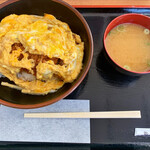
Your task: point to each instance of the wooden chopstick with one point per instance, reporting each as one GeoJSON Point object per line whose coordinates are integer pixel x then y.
{"type": "Point", "coordinates": [108, 114]}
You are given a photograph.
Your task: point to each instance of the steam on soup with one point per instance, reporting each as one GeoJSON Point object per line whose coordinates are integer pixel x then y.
{"type": "Point", "coordinates": [129, 46]}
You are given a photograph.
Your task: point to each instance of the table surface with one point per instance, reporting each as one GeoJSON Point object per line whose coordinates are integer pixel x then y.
{"type": "Point", "coordinates": [106, 88]}
{"type": "Point", "coordinates": [106, 3]}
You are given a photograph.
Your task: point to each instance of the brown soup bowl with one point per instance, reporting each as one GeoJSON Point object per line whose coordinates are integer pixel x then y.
{"type": "Point", "coordinates": [66, 13]}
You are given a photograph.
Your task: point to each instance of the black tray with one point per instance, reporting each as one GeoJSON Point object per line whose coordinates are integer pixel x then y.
{"type": "Point", "coordinates": [109, 90]}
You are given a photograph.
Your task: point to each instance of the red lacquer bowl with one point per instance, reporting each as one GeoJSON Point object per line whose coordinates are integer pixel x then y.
{"type": "Point", "coordinates": [126, 18]}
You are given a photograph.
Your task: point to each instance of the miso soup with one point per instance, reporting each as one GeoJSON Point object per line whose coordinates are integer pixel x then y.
{"type": "Point", "coordinates": [129, 46]}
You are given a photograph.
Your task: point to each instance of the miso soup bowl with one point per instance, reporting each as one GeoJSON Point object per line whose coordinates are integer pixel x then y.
{"type": "Point", "coordinates": [126, 18]}
{"type": "Point", "coordinates": [66, 13]}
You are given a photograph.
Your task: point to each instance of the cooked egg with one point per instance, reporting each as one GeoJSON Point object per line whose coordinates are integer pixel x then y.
{"type": "Point", "coordinates": [39, 53]}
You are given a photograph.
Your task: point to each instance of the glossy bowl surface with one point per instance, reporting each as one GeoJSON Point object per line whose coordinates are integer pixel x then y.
{"type": "Point", "coordinates": [64, 12]}
{"type": "Point", "coordinates": [126, 18]}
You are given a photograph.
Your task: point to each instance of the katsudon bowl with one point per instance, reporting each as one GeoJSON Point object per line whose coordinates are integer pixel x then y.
{"type": "Point", "coordinates": [66, 13]}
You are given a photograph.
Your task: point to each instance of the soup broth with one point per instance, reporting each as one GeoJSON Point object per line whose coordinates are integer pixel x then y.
{"type": "Point", "coordinates": [129, 46]}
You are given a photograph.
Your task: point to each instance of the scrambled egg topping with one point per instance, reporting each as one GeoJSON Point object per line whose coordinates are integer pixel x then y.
{"type": "Point", "coordinates": [39, 53]}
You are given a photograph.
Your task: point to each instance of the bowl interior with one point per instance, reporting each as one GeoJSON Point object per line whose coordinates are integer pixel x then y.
{"type": "Point", "coordinates": [63, 13]}
{"type": "Point", "coordinates": [127, 18]}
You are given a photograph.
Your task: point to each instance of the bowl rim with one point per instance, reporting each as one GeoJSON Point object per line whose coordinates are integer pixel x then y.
{"type": "Point", "coordinates": [80, 79]}
{"type": "Point", "coordinates": [105, 35]}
